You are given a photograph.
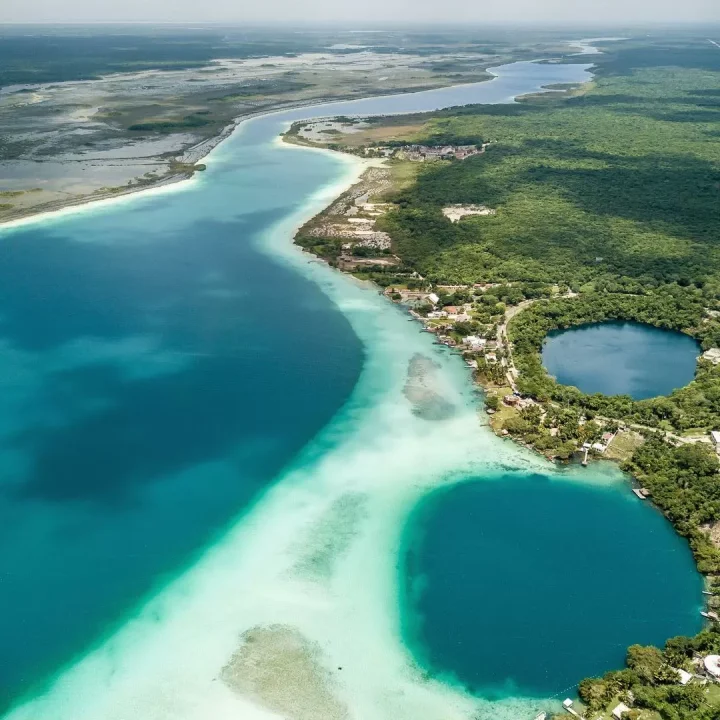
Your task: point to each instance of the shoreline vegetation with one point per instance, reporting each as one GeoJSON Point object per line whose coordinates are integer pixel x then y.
{"type": "Point", "coordinates": [495, 225]}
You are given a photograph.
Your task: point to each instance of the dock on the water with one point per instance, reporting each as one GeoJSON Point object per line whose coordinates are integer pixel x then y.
{"type": "Point", "coordinates": [568, 705]}
{"type": "Point", "coordinates": [586, 447]}
{"type": "Point", "coordinates": [642, 493]}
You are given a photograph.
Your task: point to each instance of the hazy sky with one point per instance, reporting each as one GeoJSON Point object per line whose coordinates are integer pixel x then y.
{"type": "Point", "coordinates": [359, 11]}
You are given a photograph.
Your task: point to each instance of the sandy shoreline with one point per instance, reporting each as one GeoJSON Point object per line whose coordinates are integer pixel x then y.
{"type": "Point", "coordinates": [195, 154]}
{"type": "Point", "coordinates": [203, 150]}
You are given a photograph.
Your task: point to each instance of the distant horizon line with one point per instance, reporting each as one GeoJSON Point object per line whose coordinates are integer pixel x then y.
{"type": "Point", "coordinates": [342, 24]}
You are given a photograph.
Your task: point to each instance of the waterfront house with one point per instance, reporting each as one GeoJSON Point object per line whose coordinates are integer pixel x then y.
{"type": "Point", "coordinates": [451, 310]}
{"type": "Point", "coordinates": [715, 435]}
{"type": "Point", "coordinates": [433, 298]}
{"type": "Point", "coordinates": [474, 341]}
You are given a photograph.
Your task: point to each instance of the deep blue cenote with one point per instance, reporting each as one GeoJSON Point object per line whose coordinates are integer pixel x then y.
{"type": "Point", "coordinates": [159, 368]}
{"type": "Point", "coordinates": [525, 585]}
{"type": "Point", "coordinates": [621, 358]}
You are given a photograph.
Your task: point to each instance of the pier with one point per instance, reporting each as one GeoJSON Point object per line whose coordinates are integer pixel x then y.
{"type": "Point", "coordinates": [568, 705]}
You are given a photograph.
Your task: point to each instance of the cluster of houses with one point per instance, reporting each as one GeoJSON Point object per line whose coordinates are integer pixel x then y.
{"type": "Point", "coordinates": [706, 670]}
{"type": "Point", "coordinates": [602, 445]}
{"type": "Point", "coordinates": [425, 153]}
{"type": "Point", "coordinates": [452, 314]}
{"type": "Point", "coordinates": [517, 401]}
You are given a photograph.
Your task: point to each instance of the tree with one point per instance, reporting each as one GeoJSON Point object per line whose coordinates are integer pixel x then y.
{"type": "Point", "coordinates": [645, 661]}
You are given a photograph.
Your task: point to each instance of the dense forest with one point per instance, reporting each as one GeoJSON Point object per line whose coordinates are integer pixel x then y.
{"type": "Point", "coordinates": [616, 187]}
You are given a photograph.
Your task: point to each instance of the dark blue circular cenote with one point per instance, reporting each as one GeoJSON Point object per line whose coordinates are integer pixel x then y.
{"type": "Point", "coordinates": [621, 358]}
{"type": "Point", "coordinates": [524, 585]}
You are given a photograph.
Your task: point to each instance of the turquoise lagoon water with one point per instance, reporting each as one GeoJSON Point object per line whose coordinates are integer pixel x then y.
{"type": "Point", "coordinates": [621, 358]}
{"type": "Point", "coordinates": [165, 359]}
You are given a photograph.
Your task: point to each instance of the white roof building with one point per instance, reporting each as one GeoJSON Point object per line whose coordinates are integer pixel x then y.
{"type": "Point", "coordinates": [433, 298]}
{"type": "Point", "coordinates": [715, 435]}
{"type": "Point", "coordinates": [685, 676]}
{"type": "Point", "coordinates": [619, 710]}
{"type": "Point", "coordinates": [712, 665]}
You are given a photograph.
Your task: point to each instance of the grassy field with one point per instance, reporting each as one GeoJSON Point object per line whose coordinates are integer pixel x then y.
{"type": "Point", "coordinates": [623, 446]}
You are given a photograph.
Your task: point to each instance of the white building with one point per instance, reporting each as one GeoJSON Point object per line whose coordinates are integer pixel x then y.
{"type": "Point", "coordinates": [712, 665]}
{"type": "Point", "coordinates": [474, 341]}
{"type": "Point", "coordinates": [715, 435]}
{"type": "Point", "coordinates": [619, 710]}
{"type": "Point", "coordinates": [433, 298]}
